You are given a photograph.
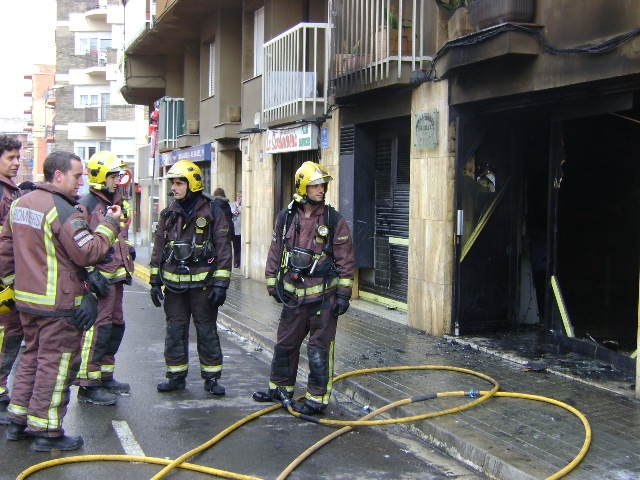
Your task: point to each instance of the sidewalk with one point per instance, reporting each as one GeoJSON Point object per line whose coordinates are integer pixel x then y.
{"type": "Point", "coordinates": [505, 438]}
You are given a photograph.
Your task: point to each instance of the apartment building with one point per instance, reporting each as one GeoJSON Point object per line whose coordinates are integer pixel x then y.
{"type": "Point", "coordinates": [482, 152]}
{"type": "Point", "coordinates": [88, 113]}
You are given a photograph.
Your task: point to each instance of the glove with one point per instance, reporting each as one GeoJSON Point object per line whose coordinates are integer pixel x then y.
{"type": "Point", "coordinates": [217, 296]}
{"type": "Point", "coordinates": [99, 283]}
{"type": "Point", "coordinates": [341, 306]}
{"type": "Point", "coordinates": [274, 293]}
{"type": "Point", "coordinates": [86, 314]}
{"type": "Point", "coordinates": [108, 258]}
{"type": "Point", "coordinates": [156, 295]}
{"type": "Point", "coordinates": [132, 252]}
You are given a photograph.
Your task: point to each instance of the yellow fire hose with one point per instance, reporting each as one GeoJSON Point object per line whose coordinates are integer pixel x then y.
{"type": "Point", "coordinates": [481, 395]}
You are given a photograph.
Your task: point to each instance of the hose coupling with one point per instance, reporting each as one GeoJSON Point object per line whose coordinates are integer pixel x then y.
{"type": "Point", "coordinates": [473, 393]}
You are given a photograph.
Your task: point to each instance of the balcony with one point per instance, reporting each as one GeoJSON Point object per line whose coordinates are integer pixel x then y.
{"type": "Point", "coordinates": [95, 115]}
{"type": "Point", "coordinates": [50, 97]}
{"type": "Point", "coordinates": [378, 43]}
{"type": "Point", "coordinates": [50, 134]}
{"type": "Point", "coordinates": [296, 77]}
{"type": "Point", "coordinates": [97, 12]}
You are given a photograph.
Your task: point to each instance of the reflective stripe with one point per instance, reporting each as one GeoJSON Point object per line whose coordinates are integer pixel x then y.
{"type": "Point", "coordinates": [53, 420]}
{"type": "Point", "coordinates": [52, 260]}
{"type": "Point", "coordinates": [38, 299]}
{"type": "Point", "coordinates": [106, 231]}
{"type": "Point", "coordinates": [17, 410]}
{"type": "Point", "coordinates": [345, 282]}
{"type": "Point", "coordinates": [288, 388]}
{"type": "Point", "coordinates": [120, 272]}
{"type": "Point", "coordinates": [84, 353]}
{"type": "Point", "coordinates": [303, 292]}
{"type": "Point", "coordinates": [107, 368]}
{"type": "Point", "coordinates": [177, 368]}
{"type": "Point", "coordinates": [193, 278]}
{"type": "Point", "coordinates": [153, 270]}
{"type": "Point", "coordinates": [271, 282]}
{"type": "Point", "coordinates": [9, 279]}
{"type": "Point", "coordinates": [211, 368]}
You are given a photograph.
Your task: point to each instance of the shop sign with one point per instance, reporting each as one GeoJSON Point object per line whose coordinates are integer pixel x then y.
{"type": "Point", "coordinates": [304, 137]}
{"type": "Point", "coordinates": [425, 129]}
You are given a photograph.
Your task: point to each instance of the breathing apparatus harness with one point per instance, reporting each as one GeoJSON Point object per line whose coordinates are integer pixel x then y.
{"type": "Point", "coordinates": [301, 261]}
{"type": "Point", "coordinates": [185, 252]}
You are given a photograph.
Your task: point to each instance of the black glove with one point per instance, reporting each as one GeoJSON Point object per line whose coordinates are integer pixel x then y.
{"type": "Point", "coordinates": [132, 252]}
{"type": "Point", "coordinates": [341, 306]}
{"type": "Point", "coordinates": [217, 296]}
{"type": "Point", "coordinates": [99, 284]}
{"type": "Point", "coordinates": [274, 293]}
{"type": "Point", "coordinates": [86, 314]}
{"type": "Point", "coordinates": [108, 258]}
{"type": "Point", "coordinates": [156, 295]}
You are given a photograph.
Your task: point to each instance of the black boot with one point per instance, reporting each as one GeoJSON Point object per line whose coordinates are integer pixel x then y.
{"type": "Point", "coordinates": [4, 415]}
{"type": "Point", "coordinates": [308, 408]}
{"type": "Point", "coordinates": [97, 396]}
{"type": "Point", "coordinates": [212, 386]}
{"type": "Point", "coordinates": [114, 386]}
{"type": "Point", "coordinates": [65, 443]}
{"type": "Point", "coordinates": [176, 383]}
{"type": "Point", "coordinates": [16, 431]}
{"type": "Point", "coordinates": [272, 395]}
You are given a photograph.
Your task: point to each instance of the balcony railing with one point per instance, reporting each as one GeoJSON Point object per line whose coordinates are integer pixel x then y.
{"type": "Point", "coordinates": [95, 114]}
{"type": "Point", "coordinates": [296, 73]}
{"type": "Point", "coordinates": [374, 39]}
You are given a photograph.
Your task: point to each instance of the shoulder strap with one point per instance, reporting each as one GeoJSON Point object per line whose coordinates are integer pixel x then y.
{"type": "Point", "coordinates": [331, 217]}
{"type": "Point", "coordinates": [64, 208]}
{"type": "Point", "coordinates": [89, 201]}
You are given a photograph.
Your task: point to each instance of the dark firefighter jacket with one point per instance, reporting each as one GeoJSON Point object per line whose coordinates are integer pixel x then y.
{"type": "Point", "coordinates": [53, 244]}
{"type": "Point", "coordinates": [303, 232]}
{"type": "Point", "coordinates": [8, 193]}
{"type": "Point", "coordinates": [120, 268]}
{"type": "Point", "coordinates": [206, 229]}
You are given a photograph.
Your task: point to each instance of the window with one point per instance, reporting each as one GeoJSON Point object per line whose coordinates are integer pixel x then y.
{"type": "Point", "coordinates": [258, 42]}
{"type": "Point", "coordinates": [91, 95]}
{"type": "Point", "coordinates": [212, 68]}
{"type": "Point", "coordinates": [92, 43]}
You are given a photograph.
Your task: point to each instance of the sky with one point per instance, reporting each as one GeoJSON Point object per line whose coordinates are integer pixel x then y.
{"type": "Point", "coordinates": [27, 38]}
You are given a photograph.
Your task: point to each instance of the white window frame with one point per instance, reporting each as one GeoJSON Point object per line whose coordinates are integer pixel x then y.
{"type": "Point", "coordinates": [212, 69]}
{"type": "Point", "coordinates": [258, 42]}
{"type": "Point", "coordinates": [103, 41]}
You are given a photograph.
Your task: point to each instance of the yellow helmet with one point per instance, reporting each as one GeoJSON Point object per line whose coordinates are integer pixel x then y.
{"type": "Point", "coordinates": [101, 165]}
{"type": "Point", "coordinates": [309, 173]}
{"type": "Point", "coordinates": [7, 299]}
{"type": "Point", "coordinates": [188, 170]}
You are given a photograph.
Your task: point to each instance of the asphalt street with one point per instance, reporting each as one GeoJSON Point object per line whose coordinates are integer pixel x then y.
{"type": "Point", "coordinates": [166, 425]}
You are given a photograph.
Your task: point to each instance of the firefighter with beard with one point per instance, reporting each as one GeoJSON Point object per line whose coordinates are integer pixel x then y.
{"type": "Point", "coordinates": [310, 269]}
{"type": "Point", "coordinates": [101, 342]}
{"type": "Point", "coordinates": [191, 258]}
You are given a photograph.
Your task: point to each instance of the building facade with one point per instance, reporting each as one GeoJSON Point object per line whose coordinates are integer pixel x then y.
{"type": "Point", "coordinates": [482, 156]}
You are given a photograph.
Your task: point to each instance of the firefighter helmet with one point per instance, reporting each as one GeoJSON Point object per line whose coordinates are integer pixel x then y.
{"type": "Point", "coordinates": [310, 173]}
{"type": "Point", "coordinates": [188, 170]}
{"type": "Point", "coordinates": [7, 299]}
{"type": "Point", "coordinates": [100, 166]}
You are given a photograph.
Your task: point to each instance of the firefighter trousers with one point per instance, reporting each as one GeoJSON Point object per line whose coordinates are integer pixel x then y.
{"type": "Point", "coordinates": [179, 308]}
{"type": "Point", "coordinates": [295, 323]}
{"type": "Point", "coordinates": [101, 342]}
{"type": "Point", "coordinates": [47, 368]}
{"type": "Point", "coordinates": [10, 340]}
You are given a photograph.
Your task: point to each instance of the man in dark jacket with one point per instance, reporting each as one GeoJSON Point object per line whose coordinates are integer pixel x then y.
{"type": "Point", "coordinates": [313, 242]}
{"type": "Point", "coordinates": [10, 327]}
{"type": "Point", "coordinates": [101, 342]}
{"type": "Point", "coordinates": [46, 264]}
{"type": "Point", "coordinates": [192, 258]}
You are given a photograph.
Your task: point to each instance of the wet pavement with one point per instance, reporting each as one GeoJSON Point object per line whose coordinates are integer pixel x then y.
{"type": "Point", "coordinates": [504, 437]}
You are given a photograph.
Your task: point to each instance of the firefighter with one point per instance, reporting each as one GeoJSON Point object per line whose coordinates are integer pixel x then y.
{"type": "Point", "coordinates": [10, 327]}
{"type": "Point", "coordinates": [101, 342]}
{"type": "Point", "coordinates": [53, 245]}
{"type": "Point", "coordinates": [310, 268]}
{"type": "Point", "coordinates": [191, 258]}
